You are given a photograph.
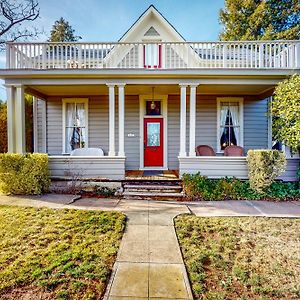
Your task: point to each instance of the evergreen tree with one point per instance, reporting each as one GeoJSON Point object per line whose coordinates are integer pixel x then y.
{"type": "Point", "coordinates": [62, 31]}
{"type": "Point", "coordinates": [260, 20]}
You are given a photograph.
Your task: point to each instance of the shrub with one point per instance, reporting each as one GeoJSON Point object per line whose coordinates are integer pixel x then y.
{"type": "Point", "coordinates": [263, 167]}
{"type": "Point", "coordinates": [198, 187]}
{"type": "Point", "coordinates": [24, 174]}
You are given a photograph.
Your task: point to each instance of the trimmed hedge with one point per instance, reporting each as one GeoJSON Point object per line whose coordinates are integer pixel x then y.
{"type": "Point", "coordinates": [198, 187]}
{"type": "Point", "coordinates": [263, 167]}
{"type": "Point", "coordinates": [24, 174]}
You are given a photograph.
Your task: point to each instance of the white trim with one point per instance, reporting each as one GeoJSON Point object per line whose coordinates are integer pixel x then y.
{"type": "Point", "coordinates": [85, 101]}
{"type": "Point", "coordinates": [110, 78]}
{"type": "Point", "coordinates": [182, 151]}
{"type": "Point", "coordinates": [35, 124]}
{"type": "Point", "coordinates": [111, 119]}
{"type": "Point", "coordinates": [193, 108]}
{"type": "Point", "coordinates": [44, 126]}
{"type": "Point", "coordinates": [241, 118]}
{"type": "Point", "coordinates": [10, 103]}
{"type": "Point", "coordinates": [20, 137]}
{"type": "Point", "coordinates": [142, 103]}
{"type": "Point", "coordinates": [121, 110]}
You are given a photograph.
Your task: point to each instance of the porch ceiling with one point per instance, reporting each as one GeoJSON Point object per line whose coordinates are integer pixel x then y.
{"type": "Point", "coordinates": [94, 90]}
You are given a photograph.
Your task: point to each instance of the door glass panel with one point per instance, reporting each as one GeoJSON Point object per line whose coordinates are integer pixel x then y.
{"type": "Point", "coordinates": [153, 134]}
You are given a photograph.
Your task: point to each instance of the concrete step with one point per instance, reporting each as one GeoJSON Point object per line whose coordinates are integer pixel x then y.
{"type": "Point", "coordinates": [153, 188]}
{"type": "Point", "coordinates": [152, 196]}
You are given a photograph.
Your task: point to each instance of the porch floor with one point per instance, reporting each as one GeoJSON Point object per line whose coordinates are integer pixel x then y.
{"type": "Point", "coordinates": [151, 175]}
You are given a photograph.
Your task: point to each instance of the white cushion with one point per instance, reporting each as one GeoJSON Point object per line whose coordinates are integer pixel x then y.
{"type": "Point", "coordinates": [87, 152]}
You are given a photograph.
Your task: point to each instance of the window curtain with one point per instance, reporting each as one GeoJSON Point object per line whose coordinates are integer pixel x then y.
{"type": "Point", "coordinates": [223, 115]}
{"type": "Point", "coordinates": [234, 112]}
{"type": "Point", "coordinates": [75, 131]}
{"type": "Point", "coordinates": [151, 55]}
{"type": "Point", "coordinates": [70, 117]}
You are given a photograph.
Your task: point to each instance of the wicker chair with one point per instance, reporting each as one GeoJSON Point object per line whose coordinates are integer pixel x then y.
{"type": "Point", "coordinates": [234, 151]}
{"type": "Point", "coordinates": [205, 150]}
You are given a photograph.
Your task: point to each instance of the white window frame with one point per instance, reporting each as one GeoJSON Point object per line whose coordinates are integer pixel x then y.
{"type": "Point", "coordinates": [85, 101]}
{"type": "Point", "coordinates": [240, 100]}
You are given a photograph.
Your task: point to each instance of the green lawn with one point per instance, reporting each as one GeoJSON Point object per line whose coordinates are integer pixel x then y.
{"type": "Point", "coordinates": [241, 258]}
{"type": "Point", "coordinates": [57, 254]}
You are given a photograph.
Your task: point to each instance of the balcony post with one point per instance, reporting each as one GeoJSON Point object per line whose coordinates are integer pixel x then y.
{"type": "Point", "coordinates": [297, 54]}
{"type": "Point", "coordinates": [192, 120]}
{"type": "Point", "coordinates": [182, 152]}
{"type": "Point", "coordinates": [111, 133]}
{"type": "Point", "coordinates": [261, 56]}
{"type": "Point", "coordinates": [121, 98]}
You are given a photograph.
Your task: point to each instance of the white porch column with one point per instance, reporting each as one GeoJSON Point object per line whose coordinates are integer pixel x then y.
{"type": "Point", "coordinates": [11, 145]}
{"type": "Point", "coordinates": [35, 125]}
{"type": "Point", "coordinates": [20, 120]}
{"type": "Point", "coordinates": [121, 98]}
{"type": "Point", "coordinates": [182, 152]}
{"type": "Point", "coordinates": [192, 120]}
{"type": "Point", "coordinates": [111, 131]}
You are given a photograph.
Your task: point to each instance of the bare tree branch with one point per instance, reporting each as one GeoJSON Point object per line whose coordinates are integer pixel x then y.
{"type": "Point", "coordinates": [14, 15]}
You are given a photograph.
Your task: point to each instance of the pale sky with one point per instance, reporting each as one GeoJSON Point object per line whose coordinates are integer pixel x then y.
{"type": "Point", "coordinates": [108, 20]}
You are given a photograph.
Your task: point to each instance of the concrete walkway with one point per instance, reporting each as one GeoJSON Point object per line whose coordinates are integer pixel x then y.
{"type": "Point", "coordinates": [149, 263]}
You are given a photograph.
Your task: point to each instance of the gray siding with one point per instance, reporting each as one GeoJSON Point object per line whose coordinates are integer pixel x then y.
{"type": "Point", "coordinates": [98, 123]}
{"type": "Point", "coordinates": [40, 121]}
{"type": "Point", "coordinates": [132, 126]}
{"type": "Point", "coordinates": [206, 121]}
{"type": "Point", "coordinates": [87, 167]}
{"type": "Point", "coordinates": [255, 125]}
{"type": "Point", "coordinates": [173, 131]}
{"type": "Point", "coordinates": [54, 126]}
{"type": "Point", "coordinates": [218, 167]}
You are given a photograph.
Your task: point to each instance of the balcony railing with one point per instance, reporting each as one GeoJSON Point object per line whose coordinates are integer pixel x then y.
{"type": "Point", "coordinates": [162, 55]}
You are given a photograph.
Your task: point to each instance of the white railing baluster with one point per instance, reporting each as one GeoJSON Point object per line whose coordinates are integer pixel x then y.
{"type": "Point", "coordinates": [173, 55]}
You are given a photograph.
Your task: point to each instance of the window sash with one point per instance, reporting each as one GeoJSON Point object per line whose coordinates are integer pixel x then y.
{"type": "Point", "coordinates": [75, 124]}
{"type": "Point", "coordinates": [230, 127]}
{"type": "Point", "coordinates": [152, 56]}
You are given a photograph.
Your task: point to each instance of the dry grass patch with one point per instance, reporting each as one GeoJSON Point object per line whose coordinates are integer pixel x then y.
{"type": "Point", "coordinates": [241, 258]}
{"type": "Point", "coordinates": [57, 254]}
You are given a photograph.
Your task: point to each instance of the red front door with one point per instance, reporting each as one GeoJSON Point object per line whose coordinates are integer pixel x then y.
{"type": "Point", "coordinates": [153, 142]}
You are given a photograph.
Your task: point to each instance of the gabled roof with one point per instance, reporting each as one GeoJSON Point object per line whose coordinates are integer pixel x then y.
{"type": "Point", "coordinates": [152, 10]}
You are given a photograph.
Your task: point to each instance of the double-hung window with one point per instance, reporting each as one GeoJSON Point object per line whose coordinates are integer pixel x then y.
{"type": "Point", "coordinates": [75, 124]}
{"type": "Point", "coordinates": [230, 122]}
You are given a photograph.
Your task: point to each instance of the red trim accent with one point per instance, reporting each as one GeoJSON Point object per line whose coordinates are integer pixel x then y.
{"type": "Point", "coordinates": [159, 59]}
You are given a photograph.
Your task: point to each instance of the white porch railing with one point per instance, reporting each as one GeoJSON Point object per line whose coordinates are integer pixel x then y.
{"type": "Point", "coordinates": [163, 55]}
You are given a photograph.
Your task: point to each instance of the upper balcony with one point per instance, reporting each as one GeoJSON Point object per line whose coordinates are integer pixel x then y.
{"type": "Point", "coordinates": [156, 55]}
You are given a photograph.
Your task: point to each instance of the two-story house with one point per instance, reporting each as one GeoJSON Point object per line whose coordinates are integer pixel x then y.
{"type": "Point", "coordinates": [147, 100]}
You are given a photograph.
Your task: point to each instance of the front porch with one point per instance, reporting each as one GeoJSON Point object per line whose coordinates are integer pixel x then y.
{"type": "Point", "coordinates": [115, 117]}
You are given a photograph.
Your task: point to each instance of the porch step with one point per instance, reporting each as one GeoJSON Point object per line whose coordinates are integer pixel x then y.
{"type": "Point", "coordinates": [152, 190]}
{"type": "Point", "coordinates": [152, 196]}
